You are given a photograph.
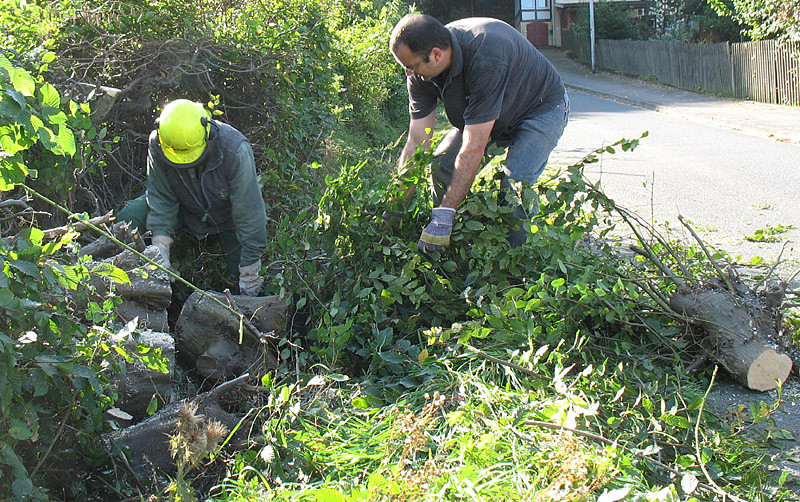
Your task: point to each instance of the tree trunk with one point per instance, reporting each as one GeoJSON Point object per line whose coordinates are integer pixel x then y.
{"type": "Point", "coordinates": [738, 334]}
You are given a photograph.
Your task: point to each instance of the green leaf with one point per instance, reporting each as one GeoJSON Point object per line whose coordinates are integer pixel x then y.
{"type": "Point", "coordinates": [6, 64]}
{"type": "Point", "coordinates": [12, 172]}
{"type": "Point", "coordinates": [327, 495]}
{"type": "Point", "coordinates": [22, 487]}
{"type": "Point", "coordinates": [9, 107]}
{"type": "Point", "coordinates": [17, 97]}
{"type": "Point", "coordinates": [689, 483]}
{"type": "Point", "coordinates": [116, 274]}
{"type": "Point", "coordinates": [152, 406]}
{"type": "Point", "coordinates": [25, 267]}
{"type": "Point", "coordinates": [19, 430]}
{"type": "Point", "coordinates": [23, 81]}
{"type": "Point", "coordinates": [473, 225]}
{"type": "Point", "coordinates": [31, 234]}
{"type": "Point", "coordinates": [49, 96]}
{"type": "Point", "coordinates": [360, 403]}
{"type": "Point", "coordinates": [391, 357]}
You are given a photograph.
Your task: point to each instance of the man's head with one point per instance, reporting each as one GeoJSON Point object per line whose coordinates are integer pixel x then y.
{"type": "Point", "coordinates": [422, 45]}
{"type": "Point", "coordinates": [183, 128]}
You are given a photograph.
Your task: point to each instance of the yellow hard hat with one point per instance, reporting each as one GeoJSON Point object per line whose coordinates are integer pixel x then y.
{"type": "Point", "coordinates": [182, 131]}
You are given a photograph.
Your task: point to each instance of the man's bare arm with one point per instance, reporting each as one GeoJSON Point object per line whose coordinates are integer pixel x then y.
{"type": "Point", "coordinates": [468, 162]}
{"type": "Point", "coordinates": [420, 132]}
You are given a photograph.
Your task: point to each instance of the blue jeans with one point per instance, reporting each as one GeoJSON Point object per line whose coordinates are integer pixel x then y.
{"type": "Point", "coordinates": [528, 152]}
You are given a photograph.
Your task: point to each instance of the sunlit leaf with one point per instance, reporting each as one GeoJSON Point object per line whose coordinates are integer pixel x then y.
{"type": "Point", "coordinates": [66, 140]}
{"type": "Point", "coordinates": [116, 274]}
{"type": "Point", "coordinates": [49, 95]}
{"type": "Point", "coordinates": [23, 81]}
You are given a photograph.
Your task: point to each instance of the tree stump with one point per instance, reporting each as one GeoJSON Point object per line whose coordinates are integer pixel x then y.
{"type": "Point", "coordinates": [219, 345]}
{"type": "Point", "coordinates": [738, 335]}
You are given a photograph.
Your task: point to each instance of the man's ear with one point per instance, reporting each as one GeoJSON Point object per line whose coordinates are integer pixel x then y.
{"type": "Point", "coordinates": [435, 55]}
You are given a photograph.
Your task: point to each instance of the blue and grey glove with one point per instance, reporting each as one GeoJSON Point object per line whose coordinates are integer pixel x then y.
{"type": "Point", "coordinates": [436, 236]}
{"type": "Point", "coordinates": [249, 281]}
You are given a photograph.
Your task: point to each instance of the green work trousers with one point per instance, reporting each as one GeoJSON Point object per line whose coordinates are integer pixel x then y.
{"type": "Point", "coordinates": [135, 212]}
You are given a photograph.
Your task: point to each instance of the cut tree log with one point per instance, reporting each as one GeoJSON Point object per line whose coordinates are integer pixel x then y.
{"type": "Point", "coordinates": [219, 345]}
{"type": "Point", "coordinates": [738, 334]}
{"type": "Point", "coordinates": [139, 384]}
{"type": "Point", "coordinates": [148, 294]}
{"type": "Point", "coordinates": [145, 446]}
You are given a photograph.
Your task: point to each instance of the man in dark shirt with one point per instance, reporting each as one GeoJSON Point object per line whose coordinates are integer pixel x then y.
{"type": "Point", "coordinates": [495, 87]}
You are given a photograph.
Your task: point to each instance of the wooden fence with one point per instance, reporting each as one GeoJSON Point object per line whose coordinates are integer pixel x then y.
{"type": "Point", "coordinates": [766, 71]}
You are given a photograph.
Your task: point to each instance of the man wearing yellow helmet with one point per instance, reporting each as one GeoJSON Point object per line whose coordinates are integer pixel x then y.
{"type": "Point", "coordinates": [201, 173]}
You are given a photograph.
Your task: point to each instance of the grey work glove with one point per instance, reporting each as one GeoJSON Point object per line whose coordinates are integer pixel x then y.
{"type": "Point", "coordinates": [163, 242]}
{"type": "Point", "coordinates": [436, 236]}
{"type": "Point", "coordinates": [249, 281]}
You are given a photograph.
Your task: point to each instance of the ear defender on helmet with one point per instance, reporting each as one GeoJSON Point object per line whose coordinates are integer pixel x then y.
{"type": "Point", "coordinates": [183, 128]}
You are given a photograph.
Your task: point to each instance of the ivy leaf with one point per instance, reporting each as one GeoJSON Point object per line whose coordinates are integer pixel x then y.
{"type": "Point", "coordinates": [23, 81]}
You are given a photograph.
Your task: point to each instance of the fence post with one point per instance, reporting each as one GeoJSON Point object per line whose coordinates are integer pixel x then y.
{"type": "Point", "coordinates": [730, 63]}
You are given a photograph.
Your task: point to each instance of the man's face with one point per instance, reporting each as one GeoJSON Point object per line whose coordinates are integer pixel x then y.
{"type": "Point", "coordinates": [424, 67]}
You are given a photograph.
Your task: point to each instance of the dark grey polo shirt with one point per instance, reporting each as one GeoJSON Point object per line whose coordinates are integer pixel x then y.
{"type": "Point", "coordinates": [495, 74]}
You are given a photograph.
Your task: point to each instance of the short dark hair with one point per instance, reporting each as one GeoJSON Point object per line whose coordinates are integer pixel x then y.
{"type": "Point", "coordinates": [421, 33]}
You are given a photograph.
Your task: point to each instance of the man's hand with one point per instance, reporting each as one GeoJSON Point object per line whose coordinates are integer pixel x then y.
{"type": "Point", "coordinates": [249, 281]}
{"type": "Point", "coordinates": [163, 242]}
{"type": "Point", "coordinates": [390, 219]}
{"type": "Point", "coordinates": [436, 236]}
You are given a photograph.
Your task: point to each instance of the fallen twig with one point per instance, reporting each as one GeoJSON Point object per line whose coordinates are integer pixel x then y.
{"type": "Point", "coordinates": [596, 437]}
{"type": "Point", "coordinates": [52, 233]}
{"type": "Point", "coordinates": [497, 360]}
{"type": "Point", "coordinates": [256, 335]}
{"type": "Point", "coordinates": [702, 244]}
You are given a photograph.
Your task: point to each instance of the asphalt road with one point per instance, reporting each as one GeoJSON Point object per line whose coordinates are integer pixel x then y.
{"type": "Point", "coordinates": [727, 184]}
